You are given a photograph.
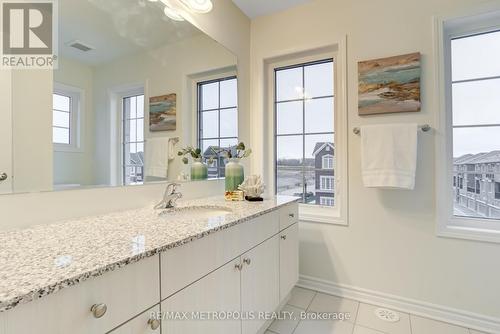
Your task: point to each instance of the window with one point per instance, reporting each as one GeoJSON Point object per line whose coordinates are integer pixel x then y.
{"type": "Point", "coordinates": [326, 201]}
{"type": "Point", "coordinates": [328, 162]}
{"type": "Point", "coordinates": [497, 190]}
{"type": "Point", "coordinates": [470, 148]}
{"type": "Point", "coordinates": [217, 120]}
{"type": "Point", "coordinates": [61, 119]}
{"type": "Point", "coordinates": [66, 101]}
{"type": "Point", "coordinates": [133, 139]}
{"type": "Point", "coordinates": [304, 130]}
{"type": "Point", "coordinates": [326, 183]}
{"type": "Point", "coordinates": [475, 81]}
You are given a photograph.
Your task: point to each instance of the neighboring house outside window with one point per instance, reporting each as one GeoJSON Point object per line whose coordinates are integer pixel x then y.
{"type": "Point", "coordinates": [323, 156]}
{"type": "Point", "coordinates": [478, 171]}
{"type": "Point", "coordinates": [217, 120]}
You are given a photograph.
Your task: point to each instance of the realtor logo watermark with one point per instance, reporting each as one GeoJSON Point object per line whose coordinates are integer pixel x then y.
{"type": "Point", "coordinates": [29, 34]}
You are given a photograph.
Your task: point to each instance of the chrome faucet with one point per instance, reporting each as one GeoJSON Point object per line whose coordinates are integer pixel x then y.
{"type": "Point", "coordinates": [170, 197]}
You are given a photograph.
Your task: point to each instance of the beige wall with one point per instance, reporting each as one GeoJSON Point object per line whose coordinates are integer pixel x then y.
{"type": "Point", "coordinates": [77, 167]}
{"type": "Point", "coordinates": [390, 245]}
{"type": "Point", "coordinates": [32, 130]}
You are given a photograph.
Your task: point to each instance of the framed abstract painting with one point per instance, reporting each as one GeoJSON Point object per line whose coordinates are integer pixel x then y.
{"type": "Point", "coordinates": [389, 85]}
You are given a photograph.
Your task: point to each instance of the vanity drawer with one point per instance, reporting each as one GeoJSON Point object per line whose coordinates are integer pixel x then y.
{"type": "Point", "coordinates": [184, 265]}
{"type": "Point", "coordinates": [145, 323]}
{"type": "Point", "coordinates": [126, 292]}
{"type": "Point", "coordinates": [289, 215]}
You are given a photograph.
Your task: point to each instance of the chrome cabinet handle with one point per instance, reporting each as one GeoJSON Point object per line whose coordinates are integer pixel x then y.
{"type": "Point", "coordinates": [98, 310]}
{"type": "Point", "coordinates": [154, 324]}
{"type": "Point", "coordinates": [3, 176]}
{"type": "Point", "coordinates": [238, 266]}
{"type": "Point", "coordinates": [247, 261]}
{"type": "Point", "coordinates": [283, 237]}
{"type": "Point", "coordinates": [291, 215]}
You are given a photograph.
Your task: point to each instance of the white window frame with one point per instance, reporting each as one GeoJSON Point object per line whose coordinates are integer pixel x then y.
{"type": "Point", "coordinates": [445, 29]}
{"type": "Point", "coordinates": [192, 95]}
{"type": "Point", "coordinates": [131, 93]}
{"type": "Point", "coordinates": [216, 78]}
{"type": "Point", "coordinates": [327, 162]}
{"type": "Point", "coordinates": [337, 215]}
{"type": "Point", "coordinates": [77, 107]}
{"type": "Point", "coordinates": [326, 201]}
{"type": "Point", "coordinates": [327, 180]}
{"type": "Point", "coordinates": [124, 92]}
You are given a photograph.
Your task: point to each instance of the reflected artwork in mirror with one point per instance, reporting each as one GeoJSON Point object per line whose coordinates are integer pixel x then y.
{"type": "Point", "coordinates": [87, 123]}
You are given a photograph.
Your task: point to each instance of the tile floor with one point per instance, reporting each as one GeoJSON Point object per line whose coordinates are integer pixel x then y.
{"type": "Point", "coordinates": [362, 321]}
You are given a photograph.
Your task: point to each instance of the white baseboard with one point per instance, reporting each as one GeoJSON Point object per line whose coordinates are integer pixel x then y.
{"type": "Point", "coordinates": [416, 307]}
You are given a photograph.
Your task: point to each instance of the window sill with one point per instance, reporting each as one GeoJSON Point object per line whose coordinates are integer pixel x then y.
{"type": "Point", "coordinates": [321, 214]}
{"type": "Point", "coordinates": [67, 148]}
{"type": "Point", "coordinates": [458, 230]}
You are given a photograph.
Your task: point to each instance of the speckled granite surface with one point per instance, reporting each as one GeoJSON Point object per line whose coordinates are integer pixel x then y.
{"type": "Point", "coordinates": [41, 260]}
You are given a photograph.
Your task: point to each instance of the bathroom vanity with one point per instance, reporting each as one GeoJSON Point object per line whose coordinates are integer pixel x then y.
{"type": "Point", "coordinates": [137, 271]}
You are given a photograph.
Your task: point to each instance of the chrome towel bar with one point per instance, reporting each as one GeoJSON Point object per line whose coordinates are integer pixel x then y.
{"type": "Point", "coordinates": [424, 128]}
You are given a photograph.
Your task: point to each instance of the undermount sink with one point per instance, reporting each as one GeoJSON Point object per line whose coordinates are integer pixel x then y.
{"type": "Point", "coordinates": [196, 212]}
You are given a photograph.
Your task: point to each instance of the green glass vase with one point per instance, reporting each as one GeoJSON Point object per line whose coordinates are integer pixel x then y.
{"type": "Point", "coordinates": [199, 171]}
{"type": "Point", "coordinates": [235, 174]}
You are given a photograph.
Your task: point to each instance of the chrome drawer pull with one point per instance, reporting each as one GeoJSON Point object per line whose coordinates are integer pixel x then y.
{"type": "Point", "coordinates": [283, 237]}
{"type": "Point", "coordinates": [154, 324]}
{"type": "Point", "coordinates": [238, 266]}
{"type": "Point", "coordinates": [247, 261]}
{"type": "Point", "coordinates": [3, 176]}
{"type": "Point", "coordinates": [98, 310]}
{"type": "Point", "coordinates": [291, 215]}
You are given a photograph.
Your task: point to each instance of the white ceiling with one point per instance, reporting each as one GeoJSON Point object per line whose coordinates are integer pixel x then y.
{"type": "Point", "coordinates": [116, 28]}
{"type": "Point", "coordinates": [254, 8]}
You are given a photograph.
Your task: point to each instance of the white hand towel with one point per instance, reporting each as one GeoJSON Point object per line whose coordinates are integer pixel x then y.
{"type": "Point", "coordinates": [157, 156]}
{"type": "Point", "coordinates": [389, 155]}
{"type": "Point", "coordinates": [171, 148]}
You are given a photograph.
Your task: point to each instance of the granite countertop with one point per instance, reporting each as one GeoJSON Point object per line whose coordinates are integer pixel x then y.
{"type": "Point", "coordinates": [41, 260]}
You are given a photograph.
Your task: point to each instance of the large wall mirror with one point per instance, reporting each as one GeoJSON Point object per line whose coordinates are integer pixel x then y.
{"type": "Point", "coordinates": [132, 87]}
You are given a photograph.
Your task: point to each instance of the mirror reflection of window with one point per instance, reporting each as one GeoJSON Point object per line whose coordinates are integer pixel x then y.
{"type": "Point", "coordinates": [217, 120]}
{"type": "Point", "coordinates": [66, 102]}
{"type": "Point", "coordinates": [133, 139]}
{"type": "Point", "coordinates": [61, 119]}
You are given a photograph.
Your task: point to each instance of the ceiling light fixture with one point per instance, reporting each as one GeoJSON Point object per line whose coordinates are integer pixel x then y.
{"type": "Point", "coordinates": [172, 14]}
{"type": "Point", "coordinates": [199, 6]}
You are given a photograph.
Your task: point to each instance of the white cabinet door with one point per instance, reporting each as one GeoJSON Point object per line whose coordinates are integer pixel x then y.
{"type": "Point", "coordinates": [260, 283]}
{"type": "Point", "coordinates": [216, 293]}
{"type": "Point", "coordinates": [289, 259]}
{"type": "Point", "coordinates": [184, 265]}
{"type": "Point", "coordinates": [5, 132]}
{"type": "Point", "coordinates": [126, 292]}
{"type": "Point", "coordinates": [142, 324]}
